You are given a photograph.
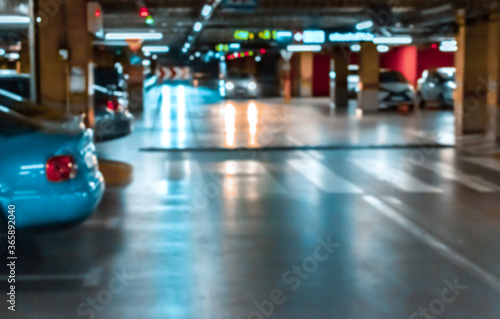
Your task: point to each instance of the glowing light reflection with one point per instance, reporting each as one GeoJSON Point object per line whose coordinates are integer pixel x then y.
{"type": "Point", "coordinates": [253, 121]}
{"type": "Point", "coordinates": [230, 123]}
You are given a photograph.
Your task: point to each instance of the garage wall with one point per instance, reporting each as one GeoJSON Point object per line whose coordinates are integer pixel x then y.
{"type": "Point", "coordinates": [433, 58]}
{"type": "Point", "coordinates": [321, 75]}
{"type": "Point", "coordinates": [412, 61]}
{"type": "Point", "coordinates": [402, 59]}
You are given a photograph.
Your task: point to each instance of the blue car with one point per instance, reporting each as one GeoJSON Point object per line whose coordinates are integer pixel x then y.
{"type": "Point", "coordinates": [49, 166]}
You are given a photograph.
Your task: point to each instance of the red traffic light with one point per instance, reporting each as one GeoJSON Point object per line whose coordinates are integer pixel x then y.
{"type": "Point", "coordinates": [144, 12]}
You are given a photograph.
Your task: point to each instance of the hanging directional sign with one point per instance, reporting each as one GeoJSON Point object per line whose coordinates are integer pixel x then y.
{"type": "Point", "coordinates": [173, 73]}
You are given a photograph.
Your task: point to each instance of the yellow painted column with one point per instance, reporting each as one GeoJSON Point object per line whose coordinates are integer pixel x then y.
{"type": "Point", "coordinates": [306, 74]}
{"type": "Point", "coordinates": [64, 53]}
{"type": "Point", "coordinates": [341, 65]}
{"type": "Point", "coordinates": [493, 122]}
{"type": "Point", "coordinates": [369, 66]}
{"type": "Point", "coordinates": [472, 63]}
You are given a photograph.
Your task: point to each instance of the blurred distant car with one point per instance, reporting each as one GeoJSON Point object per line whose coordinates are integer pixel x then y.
{"type": "Point", "coordinates": [239, 85]}
{"type": "Point", "coordinates": [112, 117]}
{"type": "Point", "coordinates": [394, 90]}
{"type": "Point", "coordinates": [49, 167]}
{"type": "Point", "coordinates": [437, 86]}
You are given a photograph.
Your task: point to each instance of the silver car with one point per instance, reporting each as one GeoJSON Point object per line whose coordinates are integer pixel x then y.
{"type": "Point", "coordinates": [436, 87]}
{"type": "Point", "coordinates": [394, 90]}
{"type": "Point", "coordinates": [239, 85]}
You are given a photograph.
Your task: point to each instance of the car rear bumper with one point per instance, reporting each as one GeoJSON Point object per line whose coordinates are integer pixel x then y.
{"type": "Point", "coordinates": [240, 92]}
{"type": "Point", "coordinates": [110, 128]}
{"type": "Point", "coordinates": [55, 209]}
{"type": "Point", "coordinates": [394, 99]}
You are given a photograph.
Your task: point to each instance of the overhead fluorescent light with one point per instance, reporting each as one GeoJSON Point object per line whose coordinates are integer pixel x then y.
{"type": "Point", "coordinates": [364, 25]}
{"type": "Point", "coordinates": [382, 48]}
{"type": "Point", "coordinates": [134, 36]}
{"type": "Point", "coordinates": [314, 36]}
{"type": "Point", "coordinates": [11, 95]}
{"type": "Point", "coordinates": [156, 48]}
{"type": "Point", "coordinates": [353, 67]}
{"type": "Point", "coordinates": [351, 37]}
{"type": "Point", "coordinates": [4, 109]}
{"type": "Point", "coordinates": [448, 49]}
{"type": "Point", "coordinates": [14, 19]}
{"type": "Point", "coordinates": [111, 43]}
{"type": "Point", "coordinates": [284, 34]}
{"type": "Point", "coordinates": [206, 10]}
{"type": "Point", "coordinates": [355, 48]}
{"type": "Point", "coordinates": [448, 46]}
{"type": "Point", "coordinates": [12, 56]}
{"type": "Point", "coordinates": [449, 43]}
{"type": "Point", "coordinates": [393, 40]}
{"type": "Point", "coordinates": [198, 26]}
{"type": "Point", "coordinates": [304, 48]}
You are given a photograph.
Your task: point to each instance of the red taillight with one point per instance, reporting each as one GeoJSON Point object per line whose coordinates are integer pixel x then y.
{"type": "Point", "coordinates": [113, 105]}
{"type": "Point", "coordinates": [60, 168]}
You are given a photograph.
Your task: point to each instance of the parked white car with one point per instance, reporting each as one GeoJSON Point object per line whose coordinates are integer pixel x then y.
{"type": "Point", "coordinates": [437, 86]}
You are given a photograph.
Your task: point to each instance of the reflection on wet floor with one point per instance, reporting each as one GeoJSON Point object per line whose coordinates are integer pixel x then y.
{"type": "Point", "coordinates": [230, 124]}
{"type": "Point", "coordinates": [211, 234]}
{"type": "Point", "coordinates": [197, 118]}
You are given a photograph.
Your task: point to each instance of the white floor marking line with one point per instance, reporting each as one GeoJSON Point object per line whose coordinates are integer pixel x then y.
{"type": "Point", "coordinates": [453, 174]}
{"type": "Point", "coordinates": [398, 178]}
{"type": "Point", "coordinates": [435, 243]}
{"type": "Point", "coordinates": [294, 141]}
{"type": "Point", "coordinates": [487, 162]}
{"type": "Point", "coordinates": [310, 153]}
{"type": "Point", "coordinates": [323, 177]}
{"type": "Point", "coordinates": [241, 176]}
{"type": "Point", "coordinates": [315, 154]}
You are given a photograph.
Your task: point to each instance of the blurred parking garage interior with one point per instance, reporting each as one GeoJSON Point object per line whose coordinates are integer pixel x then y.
{"type": "Point", "coordinates": [249, 159]}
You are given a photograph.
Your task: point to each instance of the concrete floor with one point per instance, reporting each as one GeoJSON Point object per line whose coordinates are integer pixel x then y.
{"type": "Point", "coordinates": [374, 231]}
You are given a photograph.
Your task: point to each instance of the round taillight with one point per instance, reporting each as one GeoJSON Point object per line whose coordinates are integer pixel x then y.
{"type": "Point", "coordinates": [60, 168]}
{"type": "Point", "coordinates": [113, 105]}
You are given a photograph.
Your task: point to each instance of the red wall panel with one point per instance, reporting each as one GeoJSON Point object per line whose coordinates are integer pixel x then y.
{"type": "Point", "coordinates": [433, 58]}
{"type": "Point", "coordinates": [402, 59]}
{"type": "Point", "coordinates": [321, 75]}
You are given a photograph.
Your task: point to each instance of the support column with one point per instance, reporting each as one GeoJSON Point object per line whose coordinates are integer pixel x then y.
{"type": "Point", "coordinates": [493, 126]}
{"type": "Point", "coordinates": [286, 69]}
{"type": "Point", "coordinates": [341, 68]}
{"type": "Point", "coordinates": [472, 65]}
{"type": "Point", "coordinates": [306, 74]}
{"type": "Point", "coordinates": [369, 65]}
{"type": "Point", "coordinates": [24, 60]}
{"type": "Point", "coordinates": [64, 55]}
